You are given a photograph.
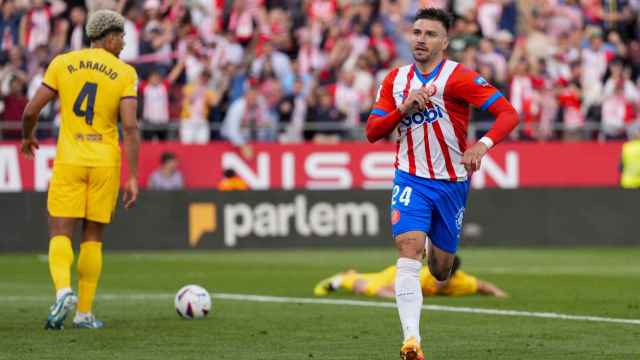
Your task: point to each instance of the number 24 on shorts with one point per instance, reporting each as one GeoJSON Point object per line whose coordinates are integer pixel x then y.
{"type": "Point", "coordinates": [405, 195]}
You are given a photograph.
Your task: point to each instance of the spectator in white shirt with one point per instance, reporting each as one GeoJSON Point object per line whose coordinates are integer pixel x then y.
{"type": "Point", "coordinates": [617, 112]}
{"type": "Point", "coordinates": [155, 108]}
{"type": "Point", "coordinates": [131, 49]}
{"type": "Point", "coordinates": [249, 119]}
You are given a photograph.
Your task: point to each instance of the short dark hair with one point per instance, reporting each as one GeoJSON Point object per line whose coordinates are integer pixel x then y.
{"type": "Point", "coordinates": [167, 156]}
{"type": "Point", "coordinates": [434, 14]}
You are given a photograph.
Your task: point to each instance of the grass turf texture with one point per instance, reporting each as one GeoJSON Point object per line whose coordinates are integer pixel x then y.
{"type": "Point", "coordinates": [597, 282]}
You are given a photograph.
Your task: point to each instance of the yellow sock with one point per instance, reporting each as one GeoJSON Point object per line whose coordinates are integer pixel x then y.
{"type": "Point", "coordinates": [89, 267]}
{"type": "Point", "coordinates": [348, 279]}
{"type": "Point", "coordinates": [60, 260]}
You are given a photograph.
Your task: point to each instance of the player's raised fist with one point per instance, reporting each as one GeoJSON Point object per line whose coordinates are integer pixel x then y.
{"type": "Point", "coordinates": [416, 101]}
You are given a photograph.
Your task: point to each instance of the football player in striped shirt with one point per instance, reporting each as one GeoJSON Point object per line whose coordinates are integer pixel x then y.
{"type": "Point", "coordinates": [427, 104]}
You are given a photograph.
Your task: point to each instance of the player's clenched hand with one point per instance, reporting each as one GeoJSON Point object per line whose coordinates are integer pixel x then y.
{"type": "Point", "coordinates": [130, 193]}
{"type": "Point", "coordinates": [29, 147]}
{"type": "Point", "coordinates": [416, 101]}
{"type": "Point", "coordinates": [472, 157]}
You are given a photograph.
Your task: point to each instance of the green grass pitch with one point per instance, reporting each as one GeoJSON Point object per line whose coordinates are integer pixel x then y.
{"type": "Point", "coordinates": [135, 299]}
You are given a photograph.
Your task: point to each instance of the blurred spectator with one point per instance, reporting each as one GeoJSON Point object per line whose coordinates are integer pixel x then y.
{"type": "Point", "coordinates": [619, 112]}
{"type": "Point", "coordinates": [198, 98]}
{"type": "Point", "coordinates": [339, 49]}
{"type": "Point", "coordinates": [167, 176]}
{"type": "Point", "coordinates": [78, 38]}
{"type": "Point", "coordinates": [270, 62]}
{"type": "Point", "coordinates": [619, 74]}
{"type": "Point", "coordinates": [14, 104]}
{"type": "Point", "coordinates": [630, 164]}
{"type": "Point", "coordinates": [382, 43]}
{"type": "Point", "coordinates": [132, 20]}
{"type": "Point", "coordinates": [322, 112]}
{"type": "Point", "coordinates": [347, 98]}
{"type": "Point", "coordinates": [488, 55]}
{"type": "Point", "coordinates": [35, 27]}
{"type": "Point", "coordinates": [292, 111]}
{"type": "Point", "coordinates": [155, 108]}
{"type": "Point", "coordinates": [16, 67]}
{"type": "Point", "coordinates": [594, 59]}
{"type": "Point", "coordinates": [523, 97]}
{"type": "Point", "coordinates": [9, 25]}
{"type": "Point", "coordinates": [489, 12]}
{"type": "Point", "coordinates": [232, 182]}
{"type": "Point", "coordinates": [570, 100]}
{"type": "Point", "coordinates": [249, 119]}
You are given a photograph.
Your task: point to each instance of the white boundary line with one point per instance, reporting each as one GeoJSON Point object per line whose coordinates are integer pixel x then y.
{"type": "Point", "coordinates": [316, 301]}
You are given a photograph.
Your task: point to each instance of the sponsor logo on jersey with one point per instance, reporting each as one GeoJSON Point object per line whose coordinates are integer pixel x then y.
{"type": "Point", "coordinates": [429, 115]}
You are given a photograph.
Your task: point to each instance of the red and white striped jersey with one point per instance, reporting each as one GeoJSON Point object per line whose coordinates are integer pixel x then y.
{"type": "Point", "coordinates": [431, 143]}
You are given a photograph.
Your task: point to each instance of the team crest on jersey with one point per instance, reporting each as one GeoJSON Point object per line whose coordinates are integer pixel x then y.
{"type": "Point", "coordinates": [395, 216]}
{"type": "Point", "coordinates": [481, 81]}
{"type": "Point", "coordinates": [431, 90]}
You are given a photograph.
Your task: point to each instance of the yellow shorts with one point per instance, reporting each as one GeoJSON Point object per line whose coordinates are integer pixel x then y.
{"type": "Point", "coordinates": [83, 192]}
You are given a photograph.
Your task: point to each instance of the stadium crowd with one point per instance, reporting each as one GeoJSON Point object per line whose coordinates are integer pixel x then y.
{"type": "Point", "coordinates": [289, 71]}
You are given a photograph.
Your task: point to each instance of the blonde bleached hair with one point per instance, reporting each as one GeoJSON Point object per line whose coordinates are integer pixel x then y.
{"type": "Point", "coordinates": [103, 22]}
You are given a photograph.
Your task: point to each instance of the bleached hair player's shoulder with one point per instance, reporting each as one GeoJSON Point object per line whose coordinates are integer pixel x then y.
{"type": "Point", "coordinates": [102, 22]}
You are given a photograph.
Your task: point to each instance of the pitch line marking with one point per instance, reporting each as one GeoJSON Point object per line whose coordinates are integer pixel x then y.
{"type": "Point", "coordinates": [315, 301]}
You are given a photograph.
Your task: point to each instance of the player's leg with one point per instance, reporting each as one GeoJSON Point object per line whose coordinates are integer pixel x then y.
{"type": "Point", "coordinates": [65, 203]}
{"type": "Point", "coordinates": [61, 252]}
{"type": "Point", "coordinates": [89, 269]}
{"type": "Point", "coordinates": [409, 291]}
{"type": "Point", "coordinates": [445, 229]}
{"type": "Point", "coordinates": [440, 264]}
{"type": "Point", "coordinates": [411, 220]}
{"type": "Point", "coordinates": [407, 282]}
{"type": "Point", "coordinates": [101, 200]}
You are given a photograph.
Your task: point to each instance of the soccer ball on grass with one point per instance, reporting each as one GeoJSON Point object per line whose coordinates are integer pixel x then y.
{"type": "Point", "coordinates": [193, 302]}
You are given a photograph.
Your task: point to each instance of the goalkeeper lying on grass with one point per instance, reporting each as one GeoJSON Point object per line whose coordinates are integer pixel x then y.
{"type": "Point", "coordinates": [381, 284]}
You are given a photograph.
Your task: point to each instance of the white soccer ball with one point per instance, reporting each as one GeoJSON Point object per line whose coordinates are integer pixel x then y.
{"type": "Point", "coordinates": [193, 302]}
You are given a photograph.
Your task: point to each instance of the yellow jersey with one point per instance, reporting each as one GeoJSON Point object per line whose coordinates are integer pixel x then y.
{"type": "Point", "coordinates": [90, 84]}
{"type": "Point", "coordinates": [630, 177]}
{"type": "Point", "coordinates": [459, 284]}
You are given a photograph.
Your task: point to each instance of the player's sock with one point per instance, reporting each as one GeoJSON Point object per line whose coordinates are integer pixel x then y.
{"type": "Point", "coordinates": [81, 316]}
{"type": "Point", "coordinates": [409, 296]}
{"type": "Point", "coordinates": [89, 267]}
{"type": "Point", "coordinates": [60, 293]}
{"type": "Point", "coordinates": [60, 260]}
{"type": "Point", "coordinates": [336, 281]}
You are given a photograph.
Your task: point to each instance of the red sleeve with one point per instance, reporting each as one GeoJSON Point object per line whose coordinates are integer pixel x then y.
{"type": "Point", "coordinates": [384, 116]}
{"type": "Point", "coordinates": [506, 120]}
{"type": "Point", "coordinates": [468, 86]}
{"type": "Point", "coordinates": [143, 85]}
